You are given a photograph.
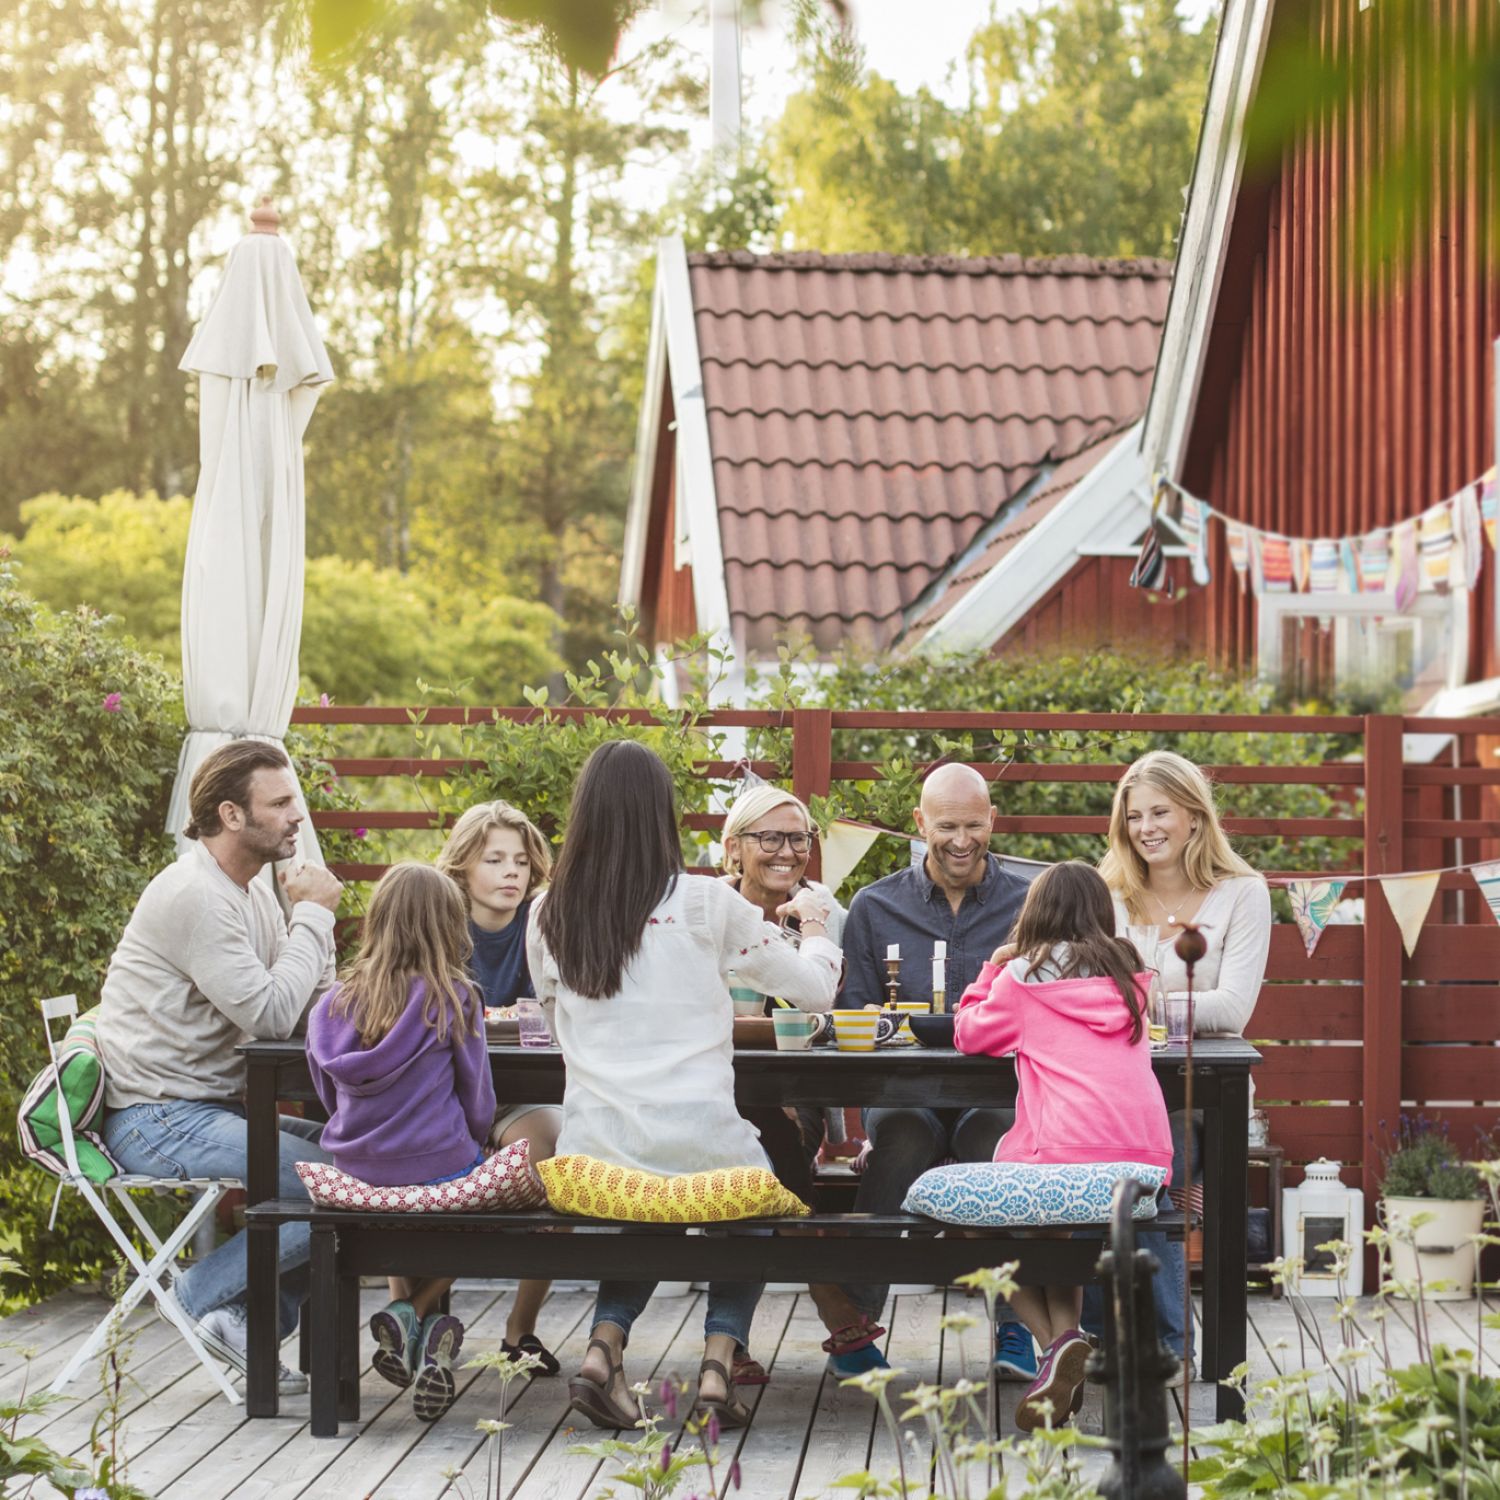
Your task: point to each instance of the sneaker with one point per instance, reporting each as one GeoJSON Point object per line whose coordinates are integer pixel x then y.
{"type": "Point", "coordinates": [224, 1334]}
{"type": "Point", "coordinates": [1185, 1368]}
{"type": "Point", "coordinates": [436, 1386]}
{"type": "Point", "coordinates": [1057, 1383]}
{"type": "Point", "coordinates": [1015, 1353]}
{"type": "Point", "coordinates": [396, 1330]}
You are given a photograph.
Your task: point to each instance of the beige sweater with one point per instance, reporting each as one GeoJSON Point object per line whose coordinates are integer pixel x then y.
{"type": "Point", "coordinates": [203, 966]}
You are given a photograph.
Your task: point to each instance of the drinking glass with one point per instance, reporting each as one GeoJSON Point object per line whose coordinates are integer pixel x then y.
{"type": "Point", "coordinates": [1177, 1018]}
{"type": "Point", "coordinates": [532, 1021]}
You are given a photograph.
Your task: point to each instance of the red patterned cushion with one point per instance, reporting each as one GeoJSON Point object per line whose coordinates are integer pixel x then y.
{"type": "Point", "coordinates": [505, 1181]}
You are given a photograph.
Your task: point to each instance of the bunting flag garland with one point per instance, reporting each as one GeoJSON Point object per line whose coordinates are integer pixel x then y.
{"type": "Point", "coordinates": [1313, 902]}
{"type": "Point", "coordinates": [1489, 507]}
{"type": "Point", "coordinates": [1194, 527]}
{"type": "Point", "coordinates": [1487, 878]}
{"type": "Point", "coordinates": [1404, 562]}
{"type": "Point", "coordinates": [1374, 561]}
{"type": "Point", "coordinates": [1301, 563]}
{"type": "Point", "coordinates": [1275, 564]}
{"type": "Point", "coordinates": [1350, 562]}
{"type": "Point", "coordinates": [1435, 534]}
{"type": "Point", "coordinates": [1239, 550]}
{"type": "Point", "coordinates": [844, 845]}
{"type": "Point", "coordinates": [1470, 533]}
{"type": "Point", "coordinates": [1409, 897]}
{"type": "Point", "coordinates": [1324, 577]}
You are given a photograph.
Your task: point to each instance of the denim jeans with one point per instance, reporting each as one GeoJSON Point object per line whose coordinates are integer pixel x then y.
{"type": "Point", "coordinates": [731, 1306]}
{"type": "Point", "coordinates": [192, 1138]}
{"type": "Point", "coordinates": [904, 1143]}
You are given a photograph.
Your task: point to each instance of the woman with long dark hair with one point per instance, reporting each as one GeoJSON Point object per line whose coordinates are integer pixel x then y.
{"type": "Point", "coordinates": [631, 954]}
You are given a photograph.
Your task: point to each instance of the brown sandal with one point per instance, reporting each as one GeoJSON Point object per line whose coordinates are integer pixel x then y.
{"type": "Point", "coordinates": [732, 1414]}
{"type": "Point", "coordinates": [592, 1398]}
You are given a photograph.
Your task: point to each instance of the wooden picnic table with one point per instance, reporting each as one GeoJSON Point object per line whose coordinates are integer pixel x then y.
{"type": "Point", "coordinates": [928, 1078]}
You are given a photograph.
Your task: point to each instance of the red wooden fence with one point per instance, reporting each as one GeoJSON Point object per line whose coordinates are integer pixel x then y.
{"type": "Point", "coordinates": [1353, 1036]}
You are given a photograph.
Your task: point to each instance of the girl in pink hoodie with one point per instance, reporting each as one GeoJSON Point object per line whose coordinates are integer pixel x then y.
{"type": "Point", "coordinates": [1068, 998]}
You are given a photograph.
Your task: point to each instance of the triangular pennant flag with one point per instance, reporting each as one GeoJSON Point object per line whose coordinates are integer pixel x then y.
{"type": "Point", "coordinates": [1409, 897]}
{"type": "Point", "coordinates": [1313, 902]}
{"type": "Point", "coordinates": [1404, 562]}
{"type": "Point", "coordinates": [1470, 534]}
{"type": "Point", "coordinates": [1275, 564]}
{"type": "Point", "coordinates": [1489, 507]}
{"type": "Point", "coordinates": [1350, 563]}
{"type": "Point", "coordinates": [1324, 574]}
{"type": "Point", "coordinates": [1487, 878]}
{"type": "Point", "coordinates": [1301, 563]}
{"type": "Point", "coordinates": [1151, 564]}
{"type": "Point", "coordinates": [1374, 561]}
{"type": "Point", "coordinates": [1194, 527]}
{"type": "Point", "coordinates": [1435, 543]}
{"type": "Point", "coordinates": [844, 845]}
{"type": "Point", "coordinates": [1239, 550]}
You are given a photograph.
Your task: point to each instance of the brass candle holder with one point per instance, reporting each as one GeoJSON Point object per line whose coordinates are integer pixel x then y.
{"type": "Point", "coordinates": [892, 982]}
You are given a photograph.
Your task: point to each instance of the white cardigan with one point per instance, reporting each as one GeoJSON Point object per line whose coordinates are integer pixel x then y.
{"type": "Point", "coordinates": [1235, 917]}
{"type": "Point", "coordinates": [650, 1069]}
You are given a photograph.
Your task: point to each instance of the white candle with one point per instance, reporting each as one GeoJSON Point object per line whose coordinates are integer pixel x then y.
{"type": "Point", "coordinates": [892, 951]}
{"type": "Point", "coordinates": [939, 950]}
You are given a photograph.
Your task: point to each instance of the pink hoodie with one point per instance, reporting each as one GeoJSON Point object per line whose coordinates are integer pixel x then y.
{"type": "Point", "coordinates": [1085, 1093]}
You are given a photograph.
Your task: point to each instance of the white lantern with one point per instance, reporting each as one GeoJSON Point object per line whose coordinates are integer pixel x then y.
{"type": "Point", "coordinates": [1320, 1209]}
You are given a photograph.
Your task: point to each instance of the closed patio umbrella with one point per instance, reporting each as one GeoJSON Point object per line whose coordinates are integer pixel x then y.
{"type": "Point", "coordinates": [261, 367]}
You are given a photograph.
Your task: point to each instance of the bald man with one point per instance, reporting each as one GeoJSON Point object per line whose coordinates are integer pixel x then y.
{"type": "Point", "coordinates": [965, 896]}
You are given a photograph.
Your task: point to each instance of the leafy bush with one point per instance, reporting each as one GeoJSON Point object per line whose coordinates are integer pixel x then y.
{"type": "Point", "coordinates": [1426, 1164]}
{"type": "Point", "coordinates": [88, 746]}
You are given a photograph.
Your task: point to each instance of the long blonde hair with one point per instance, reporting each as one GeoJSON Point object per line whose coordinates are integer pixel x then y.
{"type": "Point", "coordinates": [750, 807]}
{"type": "Point", "coordinates": [1207, 857]}
{"type": "Point", "coordinates": [467, 837]}
{"type": "Point", "coordinates": [417, 927]}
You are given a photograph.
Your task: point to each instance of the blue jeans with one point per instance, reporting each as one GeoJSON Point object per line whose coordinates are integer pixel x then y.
{"type": "Point", "coordinates": [904, 1142]}
{"type": "Point", "coordinates": [731, 1306]}
{"type": "Point", "coordinates": [192, 1138]}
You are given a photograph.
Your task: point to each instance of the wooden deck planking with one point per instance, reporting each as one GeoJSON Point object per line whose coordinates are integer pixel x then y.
{"type": "Point", "coordinates": [186, 1443]}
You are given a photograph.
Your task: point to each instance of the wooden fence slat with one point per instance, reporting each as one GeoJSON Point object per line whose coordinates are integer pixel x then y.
{"type": "Point", "coordinates": [1338, 955]}
{"type": "Point", "coordinates": [1306, 1132]}
{"type": "Point", "coordinates": [1451, 1013]}
{"type": "Point", "coordinates": [1340, 774]}
{"type": "Point", "coordinates": [1295, 1073]}
{"type": "Point", "coordinates": [1453, 828]}
{"type": "Point", "coordinates": [1279, 828]}
{"type": "Point", "coordinates": [1307, 1012]}
{"type": "Point", "coordinates": [1448, 951]}
{"type": "Point", "coordinates": [917, 721]}
{"type": "Point", "coordinates": [1469, 1073]}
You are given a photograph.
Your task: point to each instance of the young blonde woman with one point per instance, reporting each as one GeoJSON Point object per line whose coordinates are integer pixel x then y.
{"type": "Point", "coordinates": [499, 860]}
{"type": "Point", "coordinates": [1169, 863]}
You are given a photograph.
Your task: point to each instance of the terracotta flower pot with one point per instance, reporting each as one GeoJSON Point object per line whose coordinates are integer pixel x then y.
{"type": "Point", "coordinates": [1442, 1248]}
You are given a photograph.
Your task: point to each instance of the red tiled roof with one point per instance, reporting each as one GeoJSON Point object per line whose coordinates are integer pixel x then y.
{"type": "Point", "coordinates": [868, 414]}
{"type": "Point", "coordinates": [1054, 490]}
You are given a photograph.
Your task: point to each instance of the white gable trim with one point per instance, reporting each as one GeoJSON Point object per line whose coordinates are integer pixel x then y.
{"type": "Point", "coordinates": [1243, 32]}
{"type": "Point", "coordinates": [674, 356]}
{"type": "Point", "coordinates": [1105, 512]}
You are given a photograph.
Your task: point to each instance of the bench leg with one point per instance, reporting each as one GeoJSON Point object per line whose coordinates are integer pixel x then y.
{"type": "Point", "coordinates": [304, 1340]}
{"type": "Point", "coordinates": [1225, 1263]}
{"type": "Point", "coordinates": [324, 1300]}
{"type": "Point", "coordinates": [263, 1317]}
{"type": "Point", "coordinates": [349, 1352]}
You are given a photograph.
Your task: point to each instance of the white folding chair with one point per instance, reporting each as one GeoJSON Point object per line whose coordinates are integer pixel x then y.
{"type": "Point", "coordinates": [208, 1191]}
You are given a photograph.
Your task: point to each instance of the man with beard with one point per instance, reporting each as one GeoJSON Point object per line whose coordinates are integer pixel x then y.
{"type": "Point", "coordinates": [207, 961]}
{"type": "Point", "coordinates": [964, 896]}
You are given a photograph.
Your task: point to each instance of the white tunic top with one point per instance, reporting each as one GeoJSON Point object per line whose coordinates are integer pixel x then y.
{"type": "Point", "coordinates": [1235, 917]}
{"type": "Point", "coordinates": [650, 1069]}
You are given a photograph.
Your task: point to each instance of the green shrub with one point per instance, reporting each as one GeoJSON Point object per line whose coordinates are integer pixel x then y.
{"type": "Point", "coordinates": [1425, 1164]}
{"type": "Point", "coordinates": [88, 746]}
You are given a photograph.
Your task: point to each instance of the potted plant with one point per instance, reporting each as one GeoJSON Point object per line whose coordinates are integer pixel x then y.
{"type": "Point", "coordinates": [1432, 1206]}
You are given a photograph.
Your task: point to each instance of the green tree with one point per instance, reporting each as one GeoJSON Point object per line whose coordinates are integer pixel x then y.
{"type": "Point", "coordinates": [1077, 137]}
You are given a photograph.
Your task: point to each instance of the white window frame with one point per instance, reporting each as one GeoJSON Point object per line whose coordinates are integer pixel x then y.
{"type": "Point", "coordinates": [1272, 610]}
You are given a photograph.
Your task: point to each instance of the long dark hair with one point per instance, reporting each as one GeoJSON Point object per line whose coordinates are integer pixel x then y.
{"type": "Point", "coordinates": [1070, 903]}
{"type": "Point", "coordinates": [620, 856]}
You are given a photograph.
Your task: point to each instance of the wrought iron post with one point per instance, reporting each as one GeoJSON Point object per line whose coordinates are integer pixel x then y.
{"type": "Point", "coordinates": [1133, 1367]}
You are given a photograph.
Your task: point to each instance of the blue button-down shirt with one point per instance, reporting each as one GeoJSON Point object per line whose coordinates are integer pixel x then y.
{"type": "Point", "coordinates": [909, 909]}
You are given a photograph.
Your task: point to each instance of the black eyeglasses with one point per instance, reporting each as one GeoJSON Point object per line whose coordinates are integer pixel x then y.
{"type": "Point", "coordinates": [772, 843]}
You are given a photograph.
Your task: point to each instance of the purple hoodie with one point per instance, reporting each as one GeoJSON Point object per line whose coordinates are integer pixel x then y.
{"type": "Point", "coordinates": [409, 1109]}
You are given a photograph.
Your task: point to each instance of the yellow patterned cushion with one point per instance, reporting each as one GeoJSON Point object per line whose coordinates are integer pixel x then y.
{"type": "Point", "coordinates": [599, 1190]}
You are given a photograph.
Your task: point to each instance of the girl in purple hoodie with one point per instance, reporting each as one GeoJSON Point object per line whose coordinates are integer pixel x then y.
{"type": "Point", "coordinates": [397, 1054]}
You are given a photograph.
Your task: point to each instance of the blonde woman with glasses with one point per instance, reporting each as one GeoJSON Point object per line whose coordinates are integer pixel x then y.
{"type": "Point", "coordinates": [499, 859]}
{"type": "Point", "coordinates": [1169, 864]}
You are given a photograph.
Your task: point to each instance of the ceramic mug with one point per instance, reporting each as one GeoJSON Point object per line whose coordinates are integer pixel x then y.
{"type": "Point", "coordinates": [794, 1030]}
{"type": "Point", "coordinates": [905, 1008]}
{"type": "Point", "coordinates": [856, 1029]}
{"type": "Point", "coordinates": [747, 1002]}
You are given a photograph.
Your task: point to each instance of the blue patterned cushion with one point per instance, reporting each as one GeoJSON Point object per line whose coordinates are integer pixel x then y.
{"type": "Point", "coordinates": [995, 1193]}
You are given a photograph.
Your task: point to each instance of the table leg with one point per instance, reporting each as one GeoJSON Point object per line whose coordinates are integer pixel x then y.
{"type": "Point", "coordinates": [263, 1280]}
{"type": "Point", "coordinates": [262, 1320]}
{"type": "Point", "coordinates": [325, 1320]}
{"type": "Point", "coordinates": [349, 1354]}
{"type": "Point", "coordinates": [1225, 1259]}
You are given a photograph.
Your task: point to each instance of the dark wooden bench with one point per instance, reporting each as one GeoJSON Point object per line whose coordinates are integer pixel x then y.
{"type": "Point", "coordinates": [891, 1248]}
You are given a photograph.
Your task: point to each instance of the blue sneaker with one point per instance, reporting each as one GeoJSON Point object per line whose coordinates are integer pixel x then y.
{"type": "Point", "coordinates": [1015, 1353]}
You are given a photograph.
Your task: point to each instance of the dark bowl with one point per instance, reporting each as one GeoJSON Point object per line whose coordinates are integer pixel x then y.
{"type": "Point", "coordinates": [932, 1031]}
